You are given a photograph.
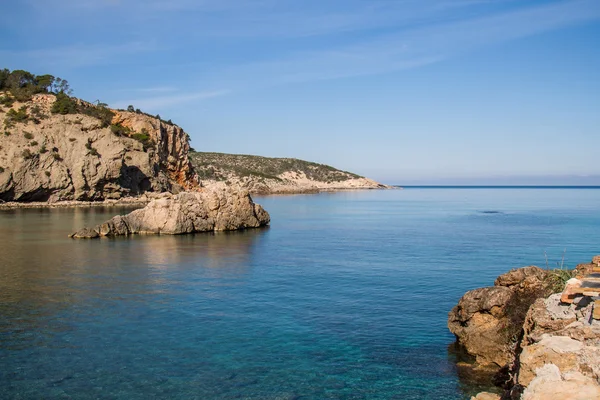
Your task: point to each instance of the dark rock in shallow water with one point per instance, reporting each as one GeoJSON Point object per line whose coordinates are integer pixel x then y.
{"type": "Point", "coordinates": [189, 212]}
{"type": "Point", "coordinates": [85, 233]}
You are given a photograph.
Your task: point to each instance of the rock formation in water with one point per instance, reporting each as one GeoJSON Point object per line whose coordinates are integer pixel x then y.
{"type": "Point", "coordinates": [187, 212]}
{"type": "Point", "coordinates": [88, 153]}
{"type": "Point", "coordinates": [556, 352]}
{"type": "Point", "coordinates": [487, 320]}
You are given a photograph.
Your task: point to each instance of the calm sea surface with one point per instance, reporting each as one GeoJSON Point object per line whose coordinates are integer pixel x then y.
{"type": "Point", "coordinates": [345, 296]}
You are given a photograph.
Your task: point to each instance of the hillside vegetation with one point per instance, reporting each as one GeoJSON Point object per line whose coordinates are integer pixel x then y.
{"type": "Point", "coordinates": [273, 175]}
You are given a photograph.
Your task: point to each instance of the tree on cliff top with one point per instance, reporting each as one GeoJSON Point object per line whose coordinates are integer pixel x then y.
{"type": "Point", "coordinates": [23, 84]}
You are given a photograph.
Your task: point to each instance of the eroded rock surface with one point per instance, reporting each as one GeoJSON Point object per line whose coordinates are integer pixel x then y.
{"type": "Point", "coordinates": [187, 212]}
{"type": "Point", "coordinates": [77, 157]}
{"type": "Point", "coordinates": [551, 383]}
{"type": "Point", "coordinates": [487, 320]}
{"type": "Point", "coordinates": [558, 353]}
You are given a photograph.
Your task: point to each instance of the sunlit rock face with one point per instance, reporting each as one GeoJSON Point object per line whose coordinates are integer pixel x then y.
{"type": "Point", "coordinates": [77, 157]}
{"type": "Point", "coordinates": [187, 212]}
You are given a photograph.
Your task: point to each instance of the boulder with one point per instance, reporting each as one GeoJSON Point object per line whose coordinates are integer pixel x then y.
{"type": "Point", "coordinates": [187, 212]}
{"type": "Point", "coordinates": [478, 322]}
{"type": "Point", "coordinates": [486, 396]}
{"type": "Point", "coordinates": [487, 321]}
{"type": "Point", "coordinates": [551, 383]}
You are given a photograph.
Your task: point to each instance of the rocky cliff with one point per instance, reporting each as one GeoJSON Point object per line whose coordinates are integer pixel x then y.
{"type": "Point", "coordinates": [538, 345]}
{"type": "Point", "coordinates": [266, 175]}
{"type": "Point", "coordinates": [79, 155]}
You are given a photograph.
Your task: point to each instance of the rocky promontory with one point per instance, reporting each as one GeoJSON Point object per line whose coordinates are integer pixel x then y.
{"type": "Point", "coordinates": [269, 175]}
{"type": "Point", "coordinates": [537, 341]}
{"type": "Point", "coordinates": [187, 212]}
{"type": "Point", "coordinates": [89, 153]}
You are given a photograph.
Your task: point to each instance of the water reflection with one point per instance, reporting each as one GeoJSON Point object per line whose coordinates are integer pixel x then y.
{"type": "Point", "coordinates": [44, 274]}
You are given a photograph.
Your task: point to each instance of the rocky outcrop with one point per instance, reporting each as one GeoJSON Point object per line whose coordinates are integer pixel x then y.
{"type": "Point", "coordinates": [560, 351]}
{"type": "Point", "coordinates": [551, 383]}
{"type": "Point", "coordinates": [187, 212]}
{"type": "Point", "coordinates": [487, 321]}
{"type": "Point", "coordinates": [557, 354]}
{"type": "Point", "coordinates": [58, 157]}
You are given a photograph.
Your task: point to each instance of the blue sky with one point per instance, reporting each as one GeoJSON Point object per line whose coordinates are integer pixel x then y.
{"type": "Point", "coordinates": [404, 91]}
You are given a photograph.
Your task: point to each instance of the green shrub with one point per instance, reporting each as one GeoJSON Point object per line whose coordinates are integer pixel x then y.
{"type": "Point", "coordinates": [91, 150]}
{"type": "Point", "coordinates": [6, 133]}
{"type": "Point", "coordinates": [72, 139]}
{"type": "Point", "coordinates": [557, 278]}
{"type": "Point", "coordinates": [145, 139]}
{"type": "Point", "coordinates": [33, 143]}
{"type": "Point", "coordinates": [13, 117]}
{"type": "Point", "coordinates": [100, 112]}
{"type": "Point", "coordinates": [36, 114]}
{"type": "Point", "coordinates": [56, 156]}
{"type": "Point", "coordinates": [7, 101]}
{"type": "Point", "coordinates": [28, 135]}
{"type": "Point", "coordinates": [47, 173]}
{"type": "Point", "coordinates": [43, 149]}
{"type": "Point", "coordinates": [27, 154]}
{"type": "Point", "coordinates": [64, 105]}
{"type": "Point", "coordinates": [120, 130]}
{"type": "Point", "coordinates": [1, 170]}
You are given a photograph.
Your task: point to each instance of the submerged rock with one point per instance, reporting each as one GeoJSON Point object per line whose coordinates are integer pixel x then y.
{"type": "Point", "coordinates": [188, 212]}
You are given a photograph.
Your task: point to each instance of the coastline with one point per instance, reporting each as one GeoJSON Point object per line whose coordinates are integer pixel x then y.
{"type": "Point", "coordinates": [127, 201]}
{"type": "Point", "coordinates": [145, 199]}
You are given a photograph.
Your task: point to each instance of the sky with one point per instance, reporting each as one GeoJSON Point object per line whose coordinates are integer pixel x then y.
{"type": "Point", "coordinates": [402, 91]}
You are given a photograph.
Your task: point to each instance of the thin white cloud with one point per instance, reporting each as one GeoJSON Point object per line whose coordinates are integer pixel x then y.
{"type": "Point", "coordinates": [158, 103]}
{"type": "Point", "coordinates": [415, 48]}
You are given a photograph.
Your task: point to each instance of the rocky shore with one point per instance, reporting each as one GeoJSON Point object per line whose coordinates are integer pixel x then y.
{"type": "Point", "coordinates": [534, 341]}
{"type": "Point", "coordinates": [123, 202]}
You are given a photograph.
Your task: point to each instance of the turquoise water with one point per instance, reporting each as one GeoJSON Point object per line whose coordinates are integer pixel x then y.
{"type": "Point", "coordinates": [345, 296]}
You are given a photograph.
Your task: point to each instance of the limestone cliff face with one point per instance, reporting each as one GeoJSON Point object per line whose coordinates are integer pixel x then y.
{"type": "Point", "coordinates": [75, 157]}
{"type": "Point", "coordinates": [172, 145]}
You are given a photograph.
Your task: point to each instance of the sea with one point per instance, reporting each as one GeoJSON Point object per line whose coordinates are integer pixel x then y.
{"type": "Point", "coordinates": [345, 296]}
